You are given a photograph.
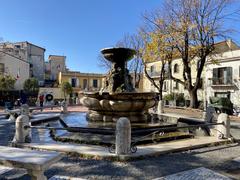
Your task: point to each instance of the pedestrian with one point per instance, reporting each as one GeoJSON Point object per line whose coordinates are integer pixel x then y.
{"type": "Point", "coordinates": [41, 99]}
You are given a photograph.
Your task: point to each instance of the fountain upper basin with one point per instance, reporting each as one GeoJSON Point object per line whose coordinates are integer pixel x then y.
{"type": "Point", "coordinates": [118, 55]}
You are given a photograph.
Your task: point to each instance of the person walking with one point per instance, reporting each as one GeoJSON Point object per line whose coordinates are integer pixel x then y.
{"type": "Point", "coordinates": [41, 99]}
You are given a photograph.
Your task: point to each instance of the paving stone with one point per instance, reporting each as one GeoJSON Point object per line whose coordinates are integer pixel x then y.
{"type": "Point", "coordinates": [4, 169]}
{"type": "Point", "coordinates": [195, 174]}
{"type": "Point", "coordinates": [237, 159]}
{"type": "Point", "coordinates": [56, 177]}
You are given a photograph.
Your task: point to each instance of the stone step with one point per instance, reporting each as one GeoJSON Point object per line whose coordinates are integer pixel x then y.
{"type": "Point", "coordinates": [158, 137]}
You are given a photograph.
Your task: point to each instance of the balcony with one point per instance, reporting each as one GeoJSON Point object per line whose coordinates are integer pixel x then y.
{"type": "Point", "coordinates": [156, 74]}
{"type": "Point", "coordinates": [223, 82]}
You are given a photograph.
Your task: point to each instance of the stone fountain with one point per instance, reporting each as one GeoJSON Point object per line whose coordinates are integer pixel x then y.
{"type": "Point", "coordinates": [118, 98]}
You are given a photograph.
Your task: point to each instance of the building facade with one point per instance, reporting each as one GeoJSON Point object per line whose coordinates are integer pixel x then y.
{"type": "Point", "coordinates": [82, 82]}
{"type": "Point", "coordinates": [220, 78]}
{"type": "Point", "coordinates": [55, 65]}
{"type": "Point", "coordinates": [223, 79]}
{"type": "Point", "coordinates": [33, 54]}
{"type": "Point", "coordinates": [13, 63]}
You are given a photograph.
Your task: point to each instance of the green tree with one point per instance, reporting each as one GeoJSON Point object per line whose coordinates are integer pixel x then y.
{"type": "Point", "coordinates": [66, 89]}
{"type": "Point", "coordinates": [7, 82]}
{"type": "Point", "coordinates": [31, 85]}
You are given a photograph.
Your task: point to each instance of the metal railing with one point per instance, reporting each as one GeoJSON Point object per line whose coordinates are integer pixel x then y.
{"type": "Point", "coordinates": [222, 81]}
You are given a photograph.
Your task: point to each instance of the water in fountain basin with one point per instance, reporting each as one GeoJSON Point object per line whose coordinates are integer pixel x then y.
{"type": "Point", "coordinates": [79, 120]}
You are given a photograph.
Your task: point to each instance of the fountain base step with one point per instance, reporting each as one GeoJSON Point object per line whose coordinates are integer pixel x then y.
{"type": "Point", "coordinates": [106, 140]}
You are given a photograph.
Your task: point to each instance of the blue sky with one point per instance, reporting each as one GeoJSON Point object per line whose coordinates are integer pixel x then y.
{"type": "Point", "coordinates": [75, 28]}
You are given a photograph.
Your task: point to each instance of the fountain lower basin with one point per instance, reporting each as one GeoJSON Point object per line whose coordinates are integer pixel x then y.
{"type": "Point", "coordinates": [109, 107]}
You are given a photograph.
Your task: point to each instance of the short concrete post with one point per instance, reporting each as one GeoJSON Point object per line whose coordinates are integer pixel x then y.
{"type": "Point", "coordinates": [223, 131]}
{"type": "Point", "coordinates": [24, 110]}
{"type": "Point", "coordinates": [64, 107]}
{"type": "Point", "coordinates": [22, 135]}
{"type": "Point", "coordinates": [160, 107]}
{"type": "Point", "coordinates": [123, 136]}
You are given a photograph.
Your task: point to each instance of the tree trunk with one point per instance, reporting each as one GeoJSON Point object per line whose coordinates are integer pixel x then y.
{"type": "Point", "coordinates": [193, 98]}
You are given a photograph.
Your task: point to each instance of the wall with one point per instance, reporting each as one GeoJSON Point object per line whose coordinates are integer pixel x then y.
{"type": "Point", "coordinates": [15, 67]}
{"type": "Point", "coordinates": [66, 77]}
{"type": "Point", "coordinates": [57, 64]}
{"type": "Point", "coordinates": [35, 56]}
{"type": "Point", "coordinates": [228, 59]}
{"type": "Point", "coordinates": [171, 84]}
{"type": "Point", "coordinates": [56, 92]}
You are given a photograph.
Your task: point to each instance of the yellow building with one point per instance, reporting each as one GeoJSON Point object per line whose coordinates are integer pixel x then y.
{"type": "Point", "coordinates": [82, 82]}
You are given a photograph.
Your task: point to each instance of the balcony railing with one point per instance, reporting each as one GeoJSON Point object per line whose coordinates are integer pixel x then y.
{"type": "Point", "coordinates": [156, 74]}
{"type": "Point", "coordinates": [222, 81]}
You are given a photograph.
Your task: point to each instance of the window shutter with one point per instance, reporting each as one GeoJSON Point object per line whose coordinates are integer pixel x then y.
{"type": "Point", "coordinates": [215, 76]}
{"type": "Point", "coordinates": [229, 75]}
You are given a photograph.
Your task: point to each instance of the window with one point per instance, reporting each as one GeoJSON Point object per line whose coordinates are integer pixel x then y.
{"type": "Point", "coordinates": [17, 46]}
{"type": "Point", "coordinates": [1, 68]}
{"type": "Point", "coordinates": [85, 83]}
{"type": "Point", "coordinates": [152, 68]}
{"type": "Point", "coordinates": [222, 76]}
{"type": "Point", "coordinates": [176, 85]}
{"type": "Point", "coordinates": [165, 86]}
{"type": "Point", "coordinates": [95, 83]}
{"type": "Point", "coordinates": [176, 68]}
{"type": "Point", "coordinates": [239, 71]}
{"type": "Point", "coordinates": [198, 64]}
{"type": "Point", "coordinates": [74, 82]}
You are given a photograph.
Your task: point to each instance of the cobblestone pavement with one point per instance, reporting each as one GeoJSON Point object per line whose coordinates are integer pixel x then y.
{"type": "Point", "coordinates": [218, 158]}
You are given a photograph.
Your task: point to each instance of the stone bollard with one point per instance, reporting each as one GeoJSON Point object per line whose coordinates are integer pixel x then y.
{"type": "Point", "coordinates": [24, 110]}
{"type": "Point", "coordinates": [160, 107]}
{"type": "Point", "coordinates": [22, 135]}
{"type": "Point", "coordinates": [123, 136]}
{"type": "Point", "coordinates": [12, 117]}
{"type": "Point", "coordinates": [223, 131]}
{"type": "Point", "coordinates": [64, 107]}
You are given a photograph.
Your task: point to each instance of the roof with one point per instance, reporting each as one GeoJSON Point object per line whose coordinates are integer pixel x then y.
{"type": "Point", "coordinates": [30, 44]}
{"type": "Point", "coordinates": [70, 73]}
{"type": "Point", "coordinates": [56, 56]}
{"type": "Point", "coordinates": [14, 57]}
{"type": "Point", "coordinates": [220, 47]}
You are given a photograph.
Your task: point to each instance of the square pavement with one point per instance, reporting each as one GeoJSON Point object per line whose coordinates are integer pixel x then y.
{"type": "Point", "coordinates": [195, 174]}
{"type": "Point", "coordinates": [56, 177]}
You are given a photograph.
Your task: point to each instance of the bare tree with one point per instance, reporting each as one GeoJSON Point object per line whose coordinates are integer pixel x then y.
{"type": "Point", "coordinates": [193, 27]}
{"type": "Point", "coordinates": [158, 47]}
{"type": "Point", "coordinates": [105, 64]}
{"type": "Point", "coordinates": [135, 66]}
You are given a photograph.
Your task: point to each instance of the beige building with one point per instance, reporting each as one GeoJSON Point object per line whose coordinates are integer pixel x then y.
{"type": "Point", "coordinates": [33, 54]}
{"type": "Point", "coordinates": [14, 65]}
{"type": "Point", "coordinates": [223, 79]}
{"type": "Point", "coordinates": [55, 65]}
{"type": "Point", "coordinates": [218, 79]}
